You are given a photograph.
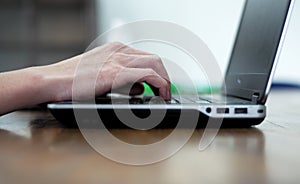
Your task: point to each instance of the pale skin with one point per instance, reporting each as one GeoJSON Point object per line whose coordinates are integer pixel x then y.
{"type": "Point", "coordinates": [113, 65]}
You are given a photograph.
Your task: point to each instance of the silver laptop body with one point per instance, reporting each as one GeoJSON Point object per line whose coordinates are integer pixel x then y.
{"type": "Point", "coordinates": [246, 85]}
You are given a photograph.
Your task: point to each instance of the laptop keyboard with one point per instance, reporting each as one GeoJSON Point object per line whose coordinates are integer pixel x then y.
{"type": "Point", "coordinates": [184, 99]}
{"type": "Point", "coordinates": [149, 100]}
{"type": "Point", "coordinates": [135, 100]}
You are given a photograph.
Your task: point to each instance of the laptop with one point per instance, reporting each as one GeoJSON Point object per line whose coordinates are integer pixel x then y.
{"type": "Point", "coordinates": [244, 93]}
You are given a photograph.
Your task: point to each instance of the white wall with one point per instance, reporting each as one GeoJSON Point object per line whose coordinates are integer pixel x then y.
{"type": "Point", "coordinates": [288, 69]}
{"type": "Point", "coordinates": [214, 21]}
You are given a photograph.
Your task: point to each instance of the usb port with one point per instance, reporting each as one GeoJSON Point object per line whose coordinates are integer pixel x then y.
{"type": "Point", "coordinates": [222, 110]}
{"type": "Point", "coordinates": [240, 110]}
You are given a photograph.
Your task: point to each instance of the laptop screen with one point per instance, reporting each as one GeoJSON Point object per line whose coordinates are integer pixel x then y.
{"type": "Point", "coordinates": [255, 47]}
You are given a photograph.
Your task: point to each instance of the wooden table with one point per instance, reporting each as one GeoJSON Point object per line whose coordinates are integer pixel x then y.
{"type": "Point", "coordinates": [35, 148]}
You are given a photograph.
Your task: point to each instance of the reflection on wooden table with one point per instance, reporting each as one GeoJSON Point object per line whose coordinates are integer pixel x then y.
{"type": "Point", "coordinates": [35, 148]}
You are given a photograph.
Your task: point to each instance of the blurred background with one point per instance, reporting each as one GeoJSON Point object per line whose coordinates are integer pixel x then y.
{"type": "Point", "coordinates": [38, 32]}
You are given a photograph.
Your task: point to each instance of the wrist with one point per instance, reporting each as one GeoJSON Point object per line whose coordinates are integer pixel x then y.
{"type": "Point", "coordinates": [39, 84]}
{"type": "Point", "coordinates": [50, 84]}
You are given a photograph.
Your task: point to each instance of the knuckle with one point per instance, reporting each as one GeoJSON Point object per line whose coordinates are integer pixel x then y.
{"type": "Point", "coordinates": [156, 58]}
{"type": "Point", "coordinates": [122, 59]}
{"type": "Point", "coordinates": [98, 49]}
{"type": "Point", "coordinates": [119, 68]}
{"type": "Point", "coordinates": [150, 71]}
{"type": "Point", "coordinates": [113, 67]}
{"type": "Point", "coordinates": [118, 55]}
{"type": "Point", "coordinates": [156, 61]}
{"type": "Point", "coordinates": [117, 44]}
{"type": "Point", "coordinates": [164, 83]}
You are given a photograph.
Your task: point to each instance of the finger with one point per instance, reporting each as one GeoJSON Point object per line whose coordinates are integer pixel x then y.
{"type": "Point", "coordinates": [135, 89]}
{"type": "Point", "coordinates": [142, 61]}
{"type": "Point", "coordinates": [129, 75]}
{"type": "Point", "coordinates": [134, 58]}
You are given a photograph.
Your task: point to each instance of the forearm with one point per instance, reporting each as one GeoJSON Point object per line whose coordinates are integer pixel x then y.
{"type": "Point", "coordinates": [23, 88]}
{"type": "Point", "coordinates": [100, 67]}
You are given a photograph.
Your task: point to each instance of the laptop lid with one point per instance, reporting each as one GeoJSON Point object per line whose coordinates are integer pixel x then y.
{"type": "Point", "coordinates": [256, 49]}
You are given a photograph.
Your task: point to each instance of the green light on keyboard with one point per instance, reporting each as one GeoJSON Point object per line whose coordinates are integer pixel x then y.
{"type": "Point", "coordinates": [200, 89]}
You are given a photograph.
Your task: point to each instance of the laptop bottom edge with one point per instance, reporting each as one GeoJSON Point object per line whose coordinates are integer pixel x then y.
{"type": "Point", "coordinates": [143, 119]}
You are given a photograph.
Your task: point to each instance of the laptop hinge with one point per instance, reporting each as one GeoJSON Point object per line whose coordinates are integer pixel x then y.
{"type": "Point", "coordinates": [254, 99]}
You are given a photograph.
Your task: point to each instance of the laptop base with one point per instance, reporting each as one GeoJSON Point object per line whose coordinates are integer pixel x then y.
{"type": "Point", "coordinates": [170, 120]}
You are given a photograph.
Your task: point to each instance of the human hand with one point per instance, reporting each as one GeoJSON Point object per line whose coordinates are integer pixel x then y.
{"type": "Point", "coordinates": [111, 66]}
